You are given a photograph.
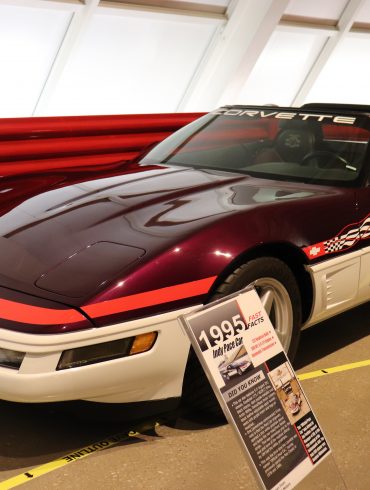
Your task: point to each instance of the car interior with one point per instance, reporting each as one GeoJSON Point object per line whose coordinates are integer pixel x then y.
{"type": "Point", "coordinates": [300, 150]}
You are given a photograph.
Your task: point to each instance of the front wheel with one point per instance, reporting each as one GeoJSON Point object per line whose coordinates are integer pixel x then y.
{"type": "Point", "coordinates": [279, 293]}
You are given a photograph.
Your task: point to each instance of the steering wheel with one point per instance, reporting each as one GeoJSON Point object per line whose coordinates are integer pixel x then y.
{"type": "Point", "coordinates": [328, 159]}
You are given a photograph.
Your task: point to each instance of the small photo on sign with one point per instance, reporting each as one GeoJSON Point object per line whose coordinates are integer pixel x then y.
{"type": "Point", "coordinates": [289, 392]}
{"type": "Point", "coordinates": [235, 364]}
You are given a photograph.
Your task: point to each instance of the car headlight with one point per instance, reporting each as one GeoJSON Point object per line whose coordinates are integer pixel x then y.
{"type": "Point", "coordinates": [106, 351]}
{"type": "Point", "coordinates": [11, 358]}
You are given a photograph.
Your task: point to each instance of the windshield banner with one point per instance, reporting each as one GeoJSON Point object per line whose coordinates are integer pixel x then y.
{"type": "Point", "coordinates": [257, 389]}
{"type": "Point", "coordinates": [268, 114]}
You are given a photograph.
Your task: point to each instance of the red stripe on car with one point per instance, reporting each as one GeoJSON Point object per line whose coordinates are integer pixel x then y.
{"type": "Point", "coordinates": [22, 313]}
{"type": "Point", "coordinates": [150, 298]}
{"type": "Point", "coordinates": [37, 315]}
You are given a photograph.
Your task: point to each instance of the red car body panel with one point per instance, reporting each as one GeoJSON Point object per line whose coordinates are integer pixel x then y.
{"type": "Point", "coordinates": [135, 230]}
{"type": "Point", "coordinates": [156, 222]}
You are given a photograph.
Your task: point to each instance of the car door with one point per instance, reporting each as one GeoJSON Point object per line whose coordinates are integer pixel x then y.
{"type": "Point", "coordinates": [363, 203]}
{"type": "Point", "coordinates": [341, 273]}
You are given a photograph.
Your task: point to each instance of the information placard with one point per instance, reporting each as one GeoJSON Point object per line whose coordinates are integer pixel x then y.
{"type": "Point", "coordinates": [257, 389]}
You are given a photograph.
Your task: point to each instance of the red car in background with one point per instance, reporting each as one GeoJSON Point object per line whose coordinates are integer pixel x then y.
{"type": "Point", "coordinates": [94, 272]}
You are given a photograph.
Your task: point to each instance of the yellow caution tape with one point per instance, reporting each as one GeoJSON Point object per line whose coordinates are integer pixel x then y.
{"type": "Point", "coordinates": [332, 370]}
{"type": "Point", "coordinates": [71, 457]}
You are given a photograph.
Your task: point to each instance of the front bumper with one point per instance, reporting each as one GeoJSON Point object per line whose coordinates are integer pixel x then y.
{"type": "Point", "coordinates": [153, 375]}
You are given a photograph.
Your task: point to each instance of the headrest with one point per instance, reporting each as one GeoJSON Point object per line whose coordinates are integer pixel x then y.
{"type": "Point", "coordinates": [293, 144]}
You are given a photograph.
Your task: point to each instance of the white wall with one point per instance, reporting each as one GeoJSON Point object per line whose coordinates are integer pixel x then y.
{"type": "Point", "coordinates": [66, 57]}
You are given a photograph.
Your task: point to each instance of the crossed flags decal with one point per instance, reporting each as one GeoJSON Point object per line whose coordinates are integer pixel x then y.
{"type": "Point", "coordinates": [345, 239]}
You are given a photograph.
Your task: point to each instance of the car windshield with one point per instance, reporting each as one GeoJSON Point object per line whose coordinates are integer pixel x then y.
{"type": "Point", "coordinates": [274, 143]}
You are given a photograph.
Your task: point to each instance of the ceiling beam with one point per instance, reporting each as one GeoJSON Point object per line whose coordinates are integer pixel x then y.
{"type": "Point", "coordinates": [172, 5]}
{"type": "Point", "coordinates": [49, 4]}
{"type": "Point", "coordinates": [233, 53]}
{"type": "Point", "coordinates": [164, 9]}
{"type": "Point", "coordinates": [77, 27]}
{"type": "Point", "coordinates": [344, 26]}
{"type": "Point", "coordinates": [306, 27]}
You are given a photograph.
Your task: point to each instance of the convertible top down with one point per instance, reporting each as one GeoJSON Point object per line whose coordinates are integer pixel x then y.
{"type": "Point", "coordinates": [94, 272]}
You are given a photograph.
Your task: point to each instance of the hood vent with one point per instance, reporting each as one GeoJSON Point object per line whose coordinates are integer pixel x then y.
{"type": "Point", "coordinates": [84, 271]}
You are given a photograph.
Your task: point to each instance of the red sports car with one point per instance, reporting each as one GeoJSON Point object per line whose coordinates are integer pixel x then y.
{"type": "Point", "coordinates": [94, 273]}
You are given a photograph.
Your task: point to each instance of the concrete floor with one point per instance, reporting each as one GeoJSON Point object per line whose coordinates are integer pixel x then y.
{"type": "Point", "coordinates": [188, 453]}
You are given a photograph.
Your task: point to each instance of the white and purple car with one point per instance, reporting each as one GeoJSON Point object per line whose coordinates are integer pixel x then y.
{"type": "Point", "coordinates": [94, 272]}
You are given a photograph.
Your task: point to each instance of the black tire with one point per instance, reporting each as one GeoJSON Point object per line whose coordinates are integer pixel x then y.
{"type": "Point", "coordinates": [267, 274]}
{"type": "Point", "coordinates": [197, 394]}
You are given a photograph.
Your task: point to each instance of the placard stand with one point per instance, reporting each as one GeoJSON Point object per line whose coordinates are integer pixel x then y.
{"type": "Point", "coordinates": [257, 389]}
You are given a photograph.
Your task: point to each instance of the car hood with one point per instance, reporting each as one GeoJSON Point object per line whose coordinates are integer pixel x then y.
{"type": "Point", "coordinates": [73, 240]}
